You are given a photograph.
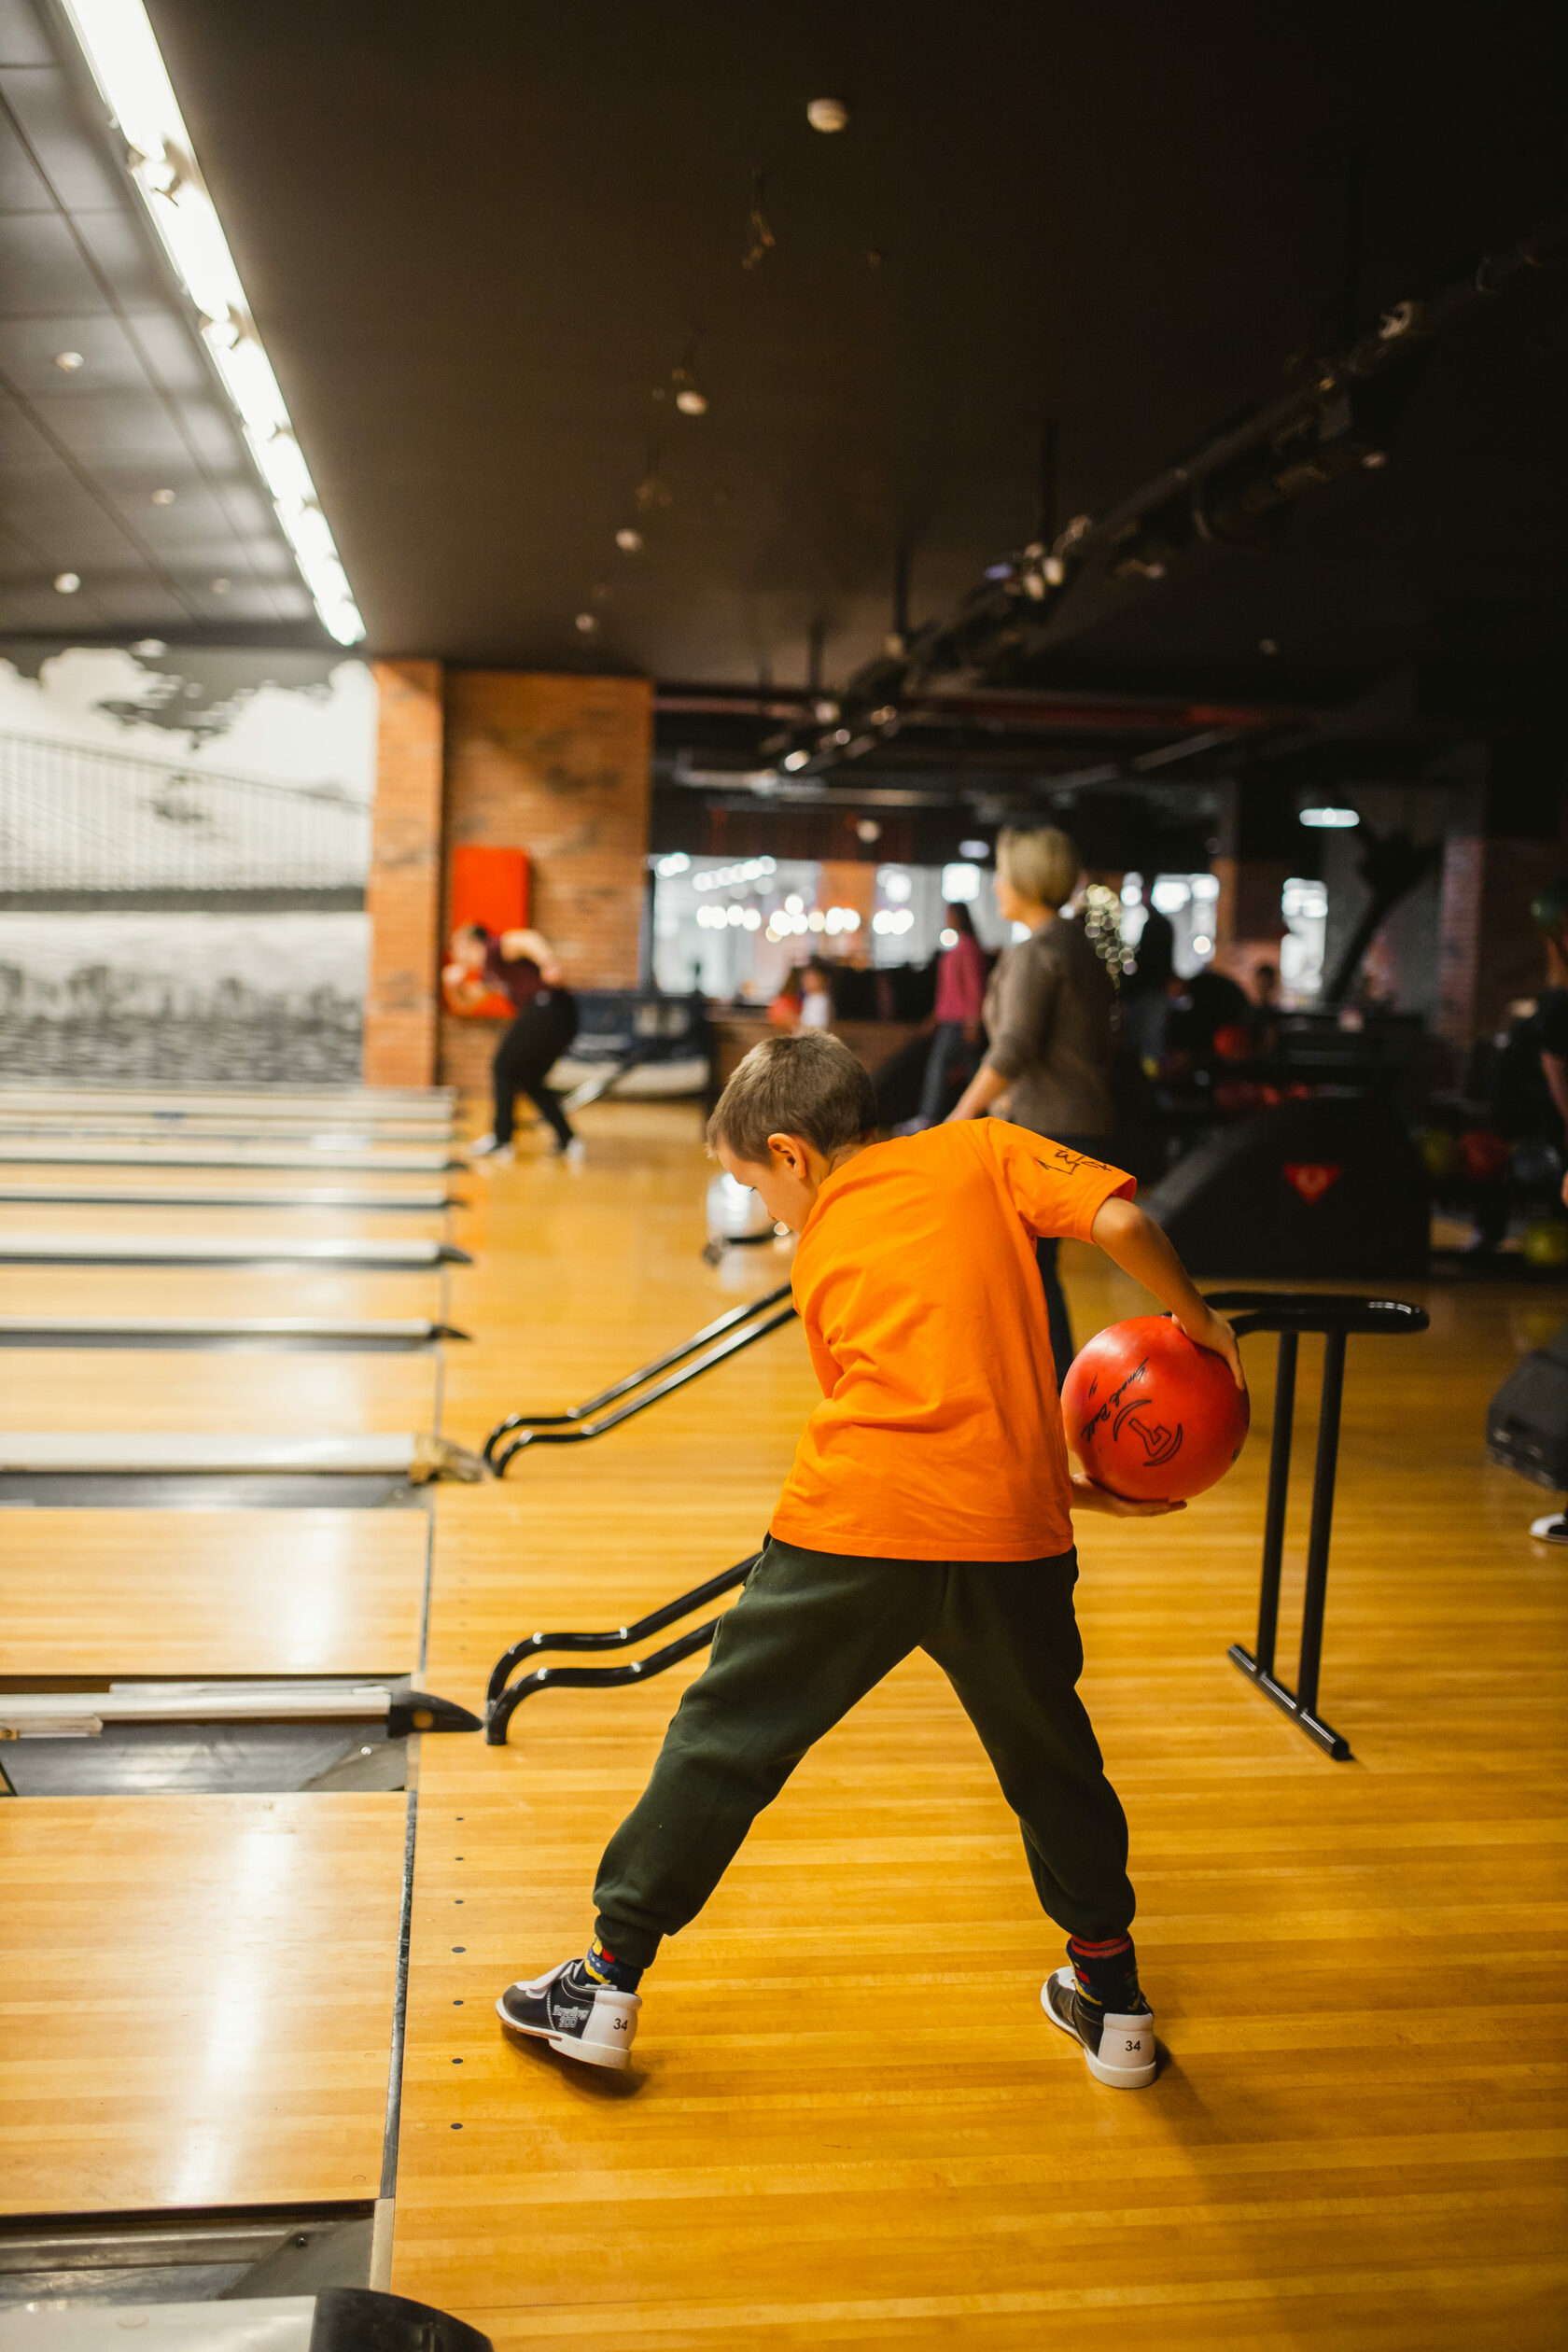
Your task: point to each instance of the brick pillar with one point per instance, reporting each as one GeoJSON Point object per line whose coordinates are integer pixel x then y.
{"type": "Point", "coordinates": [560, 768]}
{"type": "Point", "coordinates": [402, 895]}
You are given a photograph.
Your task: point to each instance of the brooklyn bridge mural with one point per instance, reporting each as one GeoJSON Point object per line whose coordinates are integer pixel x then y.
{"type": "Point", "coordinates": [184, 840]}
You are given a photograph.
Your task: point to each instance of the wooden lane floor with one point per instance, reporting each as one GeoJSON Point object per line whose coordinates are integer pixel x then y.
{"type": "Point", "coordinates": [195, 1999]}
{"type": "Point", "coordinates": [50, 1178]}
{"type": "Point", "coordinates": [847, 2122]}
{"type": "Point", "coordinates": [215, 1291]}
{"type": "Point", "coordinates": [285, 1227]}
{"type": "Point", "coordinates": [270, 1396]}
{"type": "Point", "coordinates": [203, 1594]}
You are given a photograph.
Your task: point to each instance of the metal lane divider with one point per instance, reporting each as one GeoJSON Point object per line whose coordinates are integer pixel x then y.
{"type": "Point", "coordinates": [434, 1106]}
{"type": "Point", "coordinates": [504, 1697]}
{"type": "Point", "coordinates": [95, 1467]}
{"type": "Point", "coordinates": [35, 1193]}
{"type": "Point", "coordinates": [740, 1327]}
{"type": "Point", "coordinates": [1290, 1313]}
{"type": "Point", "coordinates": [393, 1159]}
{"type": "Point", "coordinates": [347, 1334]}
{"type": "Point", "coordinates": [138, 1249]}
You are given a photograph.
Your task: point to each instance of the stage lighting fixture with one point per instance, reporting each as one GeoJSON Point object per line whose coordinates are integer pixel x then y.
{"type": "Point", "coordinates": [629, 541]}
{"type": "Point", "coordinates": [794, 760]}
{"type": "Point", "coordinates": [827, 114]}
{"type": "Point", "coordinates": [122, 52]}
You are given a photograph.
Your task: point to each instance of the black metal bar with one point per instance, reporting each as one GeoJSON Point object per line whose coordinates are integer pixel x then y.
{"type": "Point", "coordinates": [592, 1677]}
{"type": "Point", "coordinates": [1315, 1729]}
{"type": "Point", "coordinates": [1279, 1492]}
{"type": "Point", "coordinates": [623, 1635]}
{"type": "Point", "coordinates": [1316, 1311]}
{"type": "Point", "coordinates": [1290, 1313]}
{"type": "Point", "coordinates": [586, 1430]}
{"type": "Point", "coordinates": [726, 1322]}
{"type": "Point", "coordinates": [1322, 1521]}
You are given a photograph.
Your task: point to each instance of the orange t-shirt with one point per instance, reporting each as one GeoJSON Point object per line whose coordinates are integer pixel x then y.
{"type": "Point", "coordinates": [939, 1436]}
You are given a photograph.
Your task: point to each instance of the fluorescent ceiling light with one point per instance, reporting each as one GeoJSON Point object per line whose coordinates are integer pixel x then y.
{"type": "Point", "coordinates": [120, 45]}
{"type": "Point", "coordinates": [1331, 820]}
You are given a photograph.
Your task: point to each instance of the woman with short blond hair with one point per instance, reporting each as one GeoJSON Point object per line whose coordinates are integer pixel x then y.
{"type": "Point", "coordinates": [1050, 1014]}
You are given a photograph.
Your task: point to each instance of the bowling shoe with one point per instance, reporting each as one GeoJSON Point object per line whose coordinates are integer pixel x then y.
{"type": "Point", "coordinates": [574, 2015]}
{"type": "Point", "coordinates": [1119, 2051]}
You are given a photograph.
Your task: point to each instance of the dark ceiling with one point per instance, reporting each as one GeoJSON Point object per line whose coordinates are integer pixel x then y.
{"type": "Point", "coordinates": [480, 240]}
{"type": "Point", "coordinates": [480, 245]}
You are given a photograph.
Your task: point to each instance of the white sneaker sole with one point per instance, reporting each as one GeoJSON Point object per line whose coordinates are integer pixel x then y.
{"type": "Point", "coordinates": [1133, 2038]}
{"type": "Point", "coordinates": [587, 2053]}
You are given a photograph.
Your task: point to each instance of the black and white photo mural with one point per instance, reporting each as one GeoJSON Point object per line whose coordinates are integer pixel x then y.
{"type": "Point", "coordinates": [184, 839]}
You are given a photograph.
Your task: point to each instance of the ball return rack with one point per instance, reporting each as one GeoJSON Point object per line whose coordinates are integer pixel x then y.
{"type": "Point", "coordinates": [504, 1697]}
{"type": "Point", "coordinates": [1290, 1313]}
{"type": "Point", "coordinates": [728, 1334]}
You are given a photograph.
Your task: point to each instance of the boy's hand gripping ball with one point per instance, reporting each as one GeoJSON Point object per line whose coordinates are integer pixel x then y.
{"type": "Point", "coordinates": [1150, 1414]}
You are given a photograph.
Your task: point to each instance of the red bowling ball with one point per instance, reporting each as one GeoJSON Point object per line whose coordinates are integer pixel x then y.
{"type": "Point", "coordinates": [1150, 1414]}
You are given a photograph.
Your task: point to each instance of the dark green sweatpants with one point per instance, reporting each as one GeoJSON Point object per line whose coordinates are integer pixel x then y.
{"type": "Point", "coordinates": [811, 1633]}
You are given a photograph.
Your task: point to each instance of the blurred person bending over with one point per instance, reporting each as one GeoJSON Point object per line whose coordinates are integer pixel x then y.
{"type": "Point", "coordinates": [522, 966]}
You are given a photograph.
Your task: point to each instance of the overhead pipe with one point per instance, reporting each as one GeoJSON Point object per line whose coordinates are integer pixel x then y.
{"type": "Point", "coordinates": [1340, 417]}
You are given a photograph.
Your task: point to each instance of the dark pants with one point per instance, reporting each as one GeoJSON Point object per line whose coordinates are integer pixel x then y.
{"type": "Point", "coordinates": [811, 1633]}
{"type": "Point", "coordinates": [1062, 1350]}
{"type": "Point", "coordinates": [538, 1036]}
{"type": "Point", "coordinates": [938, 1089]}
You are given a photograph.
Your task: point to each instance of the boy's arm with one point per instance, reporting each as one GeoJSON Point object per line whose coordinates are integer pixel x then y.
{"type": "Point", "coordinates": [1135, 1243]}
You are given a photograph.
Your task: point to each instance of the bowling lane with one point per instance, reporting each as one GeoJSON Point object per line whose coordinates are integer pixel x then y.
{"type": "Point", "coordinates": [208, 1593]}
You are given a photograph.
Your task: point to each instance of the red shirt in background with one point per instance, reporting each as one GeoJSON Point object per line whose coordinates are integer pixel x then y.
{"type": "Point", "coordinates": [960, 981]}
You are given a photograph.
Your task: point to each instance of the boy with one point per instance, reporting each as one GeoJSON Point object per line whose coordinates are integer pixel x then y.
{"type": "Point", "coordinates": [927, 1508]}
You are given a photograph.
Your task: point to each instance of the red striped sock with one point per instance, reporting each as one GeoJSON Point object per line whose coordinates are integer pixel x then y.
{"type": "Point", "coordinates": [1106, 1973]}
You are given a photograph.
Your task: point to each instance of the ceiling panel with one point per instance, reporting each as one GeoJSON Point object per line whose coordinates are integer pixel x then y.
{"type": "Point", "coordinates": [30, 349]}
{"type": "Point", "coordinates": [83, 450]}
{"type": "Point", "coordinates": [48, 111]}
{"type": "Point", "coordinates": [42, 270]}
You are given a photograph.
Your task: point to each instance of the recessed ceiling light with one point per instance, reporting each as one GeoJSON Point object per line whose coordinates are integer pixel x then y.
{"type": "Point", "coordinates": [629, 541]}
{"type": "Point", "coordinates": [162, 497]}
{"type": "Point", "coordinates": [827, 114]}
{"type": "Point", "coordinates": [66, 583]}
{"type": "Point", "coordinates": [586, 622]}
{"type": "Point", "coordinates": [1330, 820]}
{"type": "Point", "coordinates": [690, 401]}
{"type": "Point", "coordinates": [149, 649]}
{"type": "Point", "coordinates": [221, 587]}
{"type": "Point", "coordinates": [794, 759]}
{"type": "Point", "coordinates": [69, 360]}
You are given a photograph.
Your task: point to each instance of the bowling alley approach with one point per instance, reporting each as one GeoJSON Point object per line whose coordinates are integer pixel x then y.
{"type": "Point", "coordinates": [783, 1179]}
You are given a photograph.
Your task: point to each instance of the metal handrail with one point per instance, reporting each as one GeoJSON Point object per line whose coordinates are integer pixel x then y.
{"type": "Point", "coordinates": [1313, 1310]}
{"type": "Point", "coordinates": [503, 1698]}
{"type": "Point", "coordinates": [577, 1423]}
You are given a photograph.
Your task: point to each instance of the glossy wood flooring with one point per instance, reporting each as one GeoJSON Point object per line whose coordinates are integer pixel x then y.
{"type": "Point", "coordinates": [847, 2122]}
{"type": "Point", "coordinates": [189, 1391]}
{"type": "Point", "coordinates": [107, 1593]}
{"type": "Point", "coordinates": [194, 1997]}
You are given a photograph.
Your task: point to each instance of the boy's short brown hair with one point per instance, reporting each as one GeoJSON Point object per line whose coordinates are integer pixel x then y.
{"type": "Point", "coordinates": [809, 1085]}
